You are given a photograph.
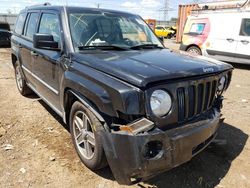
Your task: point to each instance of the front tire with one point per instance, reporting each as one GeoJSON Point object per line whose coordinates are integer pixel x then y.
{"type": "Point", "coordinates": [20, 81]}
{"type": "Point", "coordinates": [193, 50]}
{"type": "Point", "coordinates": [83, 127]}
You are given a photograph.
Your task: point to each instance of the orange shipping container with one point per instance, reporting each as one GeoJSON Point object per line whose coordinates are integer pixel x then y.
{"type": "Point", "coordinates": [183, 13]}
{"type": "Point", "coordinates": [151, 23]}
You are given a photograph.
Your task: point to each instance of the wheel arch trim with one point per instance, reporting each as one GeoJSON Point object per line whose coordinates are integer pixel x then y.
{"type": "Point", "coordinates": [83, 100]}
{"type": "Point", "coordinates": [193, 45]}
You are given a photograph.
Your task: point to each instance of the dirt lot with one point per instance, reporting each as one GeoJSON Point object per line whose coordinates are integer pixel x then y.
{"type": "Point", "coordinates": [36, 149]}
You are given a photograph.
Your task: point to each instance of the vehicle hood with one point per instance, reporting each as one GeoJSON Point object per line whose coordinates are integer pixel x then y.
{"type": "Point", "coordinates": [142, 67]}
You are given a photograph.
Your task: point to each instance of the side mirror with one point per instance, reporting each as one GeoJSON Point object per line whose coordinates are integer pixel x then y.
{"type": "Point", "coordinates": [45, 41]}
{"type": "Point", "coordinates": [161, 39]}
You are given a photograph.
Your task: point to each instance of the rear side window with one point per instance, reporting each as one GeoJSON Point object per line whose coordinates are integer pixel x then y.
{"type": "Point", "coordinates": [197, 28]}
{"type": "Point", "coordinates": [20, 23]}
{"type": "Point", "coordinates": [31, 28]}
{"type": "Point", "coordinates": [245, 27]}
{"type": "Point", "coordinates": [50, 25]}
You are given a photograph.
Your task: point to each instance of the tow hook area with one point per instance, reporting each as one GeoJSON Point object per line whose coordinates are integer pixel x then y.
{"type": "Point", "coordinates": [218, 102]}
{"type": "Point", "coordinates": [217, 141]}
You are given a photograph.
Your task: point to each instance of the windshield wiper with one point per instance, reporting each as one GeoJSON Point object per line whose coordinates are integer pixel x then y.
{"type": "Point", "coordinates": [106, 47]}
{"type": "Point", "coordinates": [146, 46]}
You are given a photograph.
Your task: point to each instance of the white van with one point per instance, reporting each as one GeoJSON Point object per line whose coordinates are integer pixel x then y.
{"type": "Point", "coordinates": [220, 34]}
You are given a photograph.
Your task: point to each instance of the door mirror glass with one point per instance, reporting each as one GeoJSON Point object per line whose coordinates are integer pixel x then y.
{"type": "Point", "coordinates": [45, 41]}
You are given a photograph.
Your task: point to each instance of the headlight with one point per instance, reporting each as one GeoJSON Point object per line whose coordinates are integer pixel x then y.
{"type": "Point", "coordinates": [222, 83]}
{"type": "Point", "coordinates": [160, 102]}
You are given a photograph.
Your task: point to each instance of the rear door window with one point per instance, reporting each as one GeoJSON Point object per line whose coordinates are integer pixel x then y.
{"type": "Point", "coordinates": [31, 27]}
{"type": "Point", "coordinates": [49, 24]}
{"type": "Point", "coordinates": [245, 27]}
{"type": "Point", "coordinates": [20, 23]}
{"type": "Point", "coordinates": [197, 28]}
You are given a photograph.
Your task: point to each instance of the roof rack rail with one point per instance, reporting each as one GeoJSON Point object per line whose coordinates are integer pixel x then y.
{"type": "Point", "coordinates": [221, 6]}
{"type": "Point", "coordinates": [37, 5]}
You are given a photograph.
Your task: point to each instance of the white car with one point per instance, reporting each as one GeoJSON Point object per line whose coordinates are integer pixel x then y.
{"type": "Point", "coordinates": [220, 34]}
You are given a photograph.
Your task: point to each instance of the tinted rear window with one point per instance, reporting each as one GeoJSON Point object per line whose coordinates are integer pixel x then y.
{"type": "Point", "coordinates": [19, 23]}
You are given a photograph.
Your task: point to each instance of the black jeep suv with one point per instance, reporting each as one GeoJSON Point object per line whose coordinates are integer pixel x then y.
{"type": "Point", "coordinates": [129, 102]}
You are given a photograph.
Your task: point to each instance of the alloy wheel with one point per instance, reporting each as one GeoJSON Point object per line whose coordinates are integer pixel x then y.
{"type": "Point", "coordinates": [83, 135]}
{"type": "Point", "coordinates": [19, 79]}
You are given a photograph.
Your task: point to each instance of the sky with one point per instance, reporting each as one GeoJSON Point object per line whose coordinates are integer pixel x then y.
{"type": "Point", "coordinates": [146, 8]}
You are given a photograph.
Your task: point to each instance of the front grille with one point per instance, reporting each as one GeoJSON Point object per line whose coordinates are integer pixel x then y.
{"type": "Point", "coordinates": [195, 99]}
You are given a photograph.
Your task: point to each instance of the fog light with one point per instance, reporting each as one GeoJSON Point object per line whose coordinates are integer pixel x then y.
{"type": "Point", "coordinates": [153, 150]}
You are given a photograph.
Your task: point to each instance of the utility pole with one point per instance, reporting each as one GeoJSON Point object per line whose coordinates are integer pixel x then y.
{"type": "Point", "coordinates": [166, 8]}
{"type": "Point", "coordinates": [98, 5]}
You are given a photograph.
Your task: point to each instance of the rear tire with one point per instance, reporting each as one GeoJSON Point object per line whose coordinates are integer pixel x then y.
{"type": "Point", "coordinates": [169, 36]}
{"type": "Point", "coordinates": [83, 127]}
{"type": "Point", "coordinates": [20, 81]}
{"type": "Point", "coordinates": [194, 50]}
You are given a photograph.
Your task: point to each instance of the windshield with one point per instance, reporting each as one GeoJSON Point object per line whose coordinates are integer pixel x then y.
{"type": "Point", "coordinates": [109, 29]}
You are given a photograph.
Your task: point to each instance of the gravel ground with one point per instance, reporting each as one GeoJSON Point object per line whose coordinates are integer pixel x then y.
{"type": "Point", "coordinates": [36, 149]}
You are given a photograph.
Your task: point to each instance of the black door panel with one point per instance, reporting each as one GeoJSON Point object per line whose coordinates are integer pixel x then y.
{"type": "Point", "coordinates": [26, 45]}
{"type": "Point", "coordinates": [46, 62]}
{"type": "Point", "coordinates": [46, 71]}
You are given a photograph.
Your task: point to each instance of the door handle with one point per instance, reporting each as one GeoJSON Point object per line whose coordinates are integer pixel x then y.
{"type": "Point", "coordinates": [245, 42]}
{"type": "Point", "coordinates": [230, 40]}
{"type": "Point", "coordinates": [33, 53]}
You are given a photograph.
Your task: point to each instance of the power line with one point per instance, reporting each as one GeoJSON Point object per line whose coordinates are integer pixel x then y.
{"type": "Point", "coordinates": [166, 3]}
{"type": "Point", "coordinates": [98, 4]}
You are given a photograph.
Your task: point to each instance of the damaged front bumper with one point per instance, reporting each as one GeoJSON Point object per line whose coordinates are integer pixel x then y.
{"type": "Point", "coordinates": [139, 157]}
